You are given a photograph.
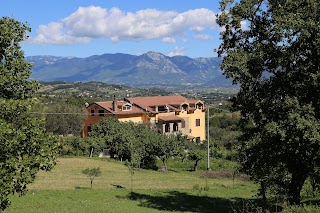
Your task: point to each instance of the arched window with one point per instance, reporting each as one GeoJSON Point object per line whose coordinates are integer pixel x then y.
{"type": "Point", "coordinates": [199, 105]}
{"type": "Point", "coordinates": [175, 127]}
{"type": "Point", "coordinates": [167, 127]}
{"type": "Point", "coordinates": [184, 107]}
{"type": "Point", "coordinates": [126, 107]}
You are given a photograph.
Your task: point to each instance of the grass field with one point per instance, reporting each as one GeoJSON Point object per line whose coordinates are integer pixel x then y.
{"type": "Point", "coordinates": [66, 189]}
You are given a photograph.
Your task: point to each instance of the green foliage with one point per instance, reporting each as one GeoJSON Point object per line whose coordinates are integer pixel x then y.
{"type": "Point", "coordinates": [196, 153]}
{"type": "Point", "coordinates": [25, 147]}
{"type": "Point", "coordinates": [12, 65]}
{"type": "Point", "coordinates": [169, 146]}
{"type": "Point", "coordinates": [300, 209]}
{"type": "Point", "coordinates": [276, 62]}
{"type": "Point", "coordinates": [92, 173]}
{"type": "Point", "coordinates": [127, 140]}
{"type": "Point", "coordinates": [224, 129]}
{"type": "Point", "coordinates": [64, 119]}
{"type": "Point", "coordinates": [76, 146]}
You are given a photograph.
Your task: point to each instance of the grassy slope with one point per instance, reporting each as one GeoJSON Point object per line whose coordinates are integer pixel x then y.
{"type": "Point", "coordinates": [65, 189]}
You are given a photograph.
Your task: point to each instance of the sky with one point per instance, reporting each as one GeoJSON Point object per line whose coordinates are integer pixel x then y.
{"type": "Point", "coordinates": [81, 28]}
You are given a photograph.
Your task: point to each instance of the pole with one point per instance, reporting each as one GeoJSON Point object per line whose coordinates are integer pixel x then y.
{"type": "Point", "coordinates": [208, 144]}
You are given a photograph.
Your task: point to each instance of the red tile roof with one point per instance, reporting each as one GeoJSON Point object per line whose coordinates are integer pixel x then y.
{"type": "Point", "coordinates": [148, 102]}
{"type": "Point", "coordinates": [142, 104]}
{"type": "Point", "coordinates": [108, 106]}
{"type": "Point", "coordinates": [170, 118]}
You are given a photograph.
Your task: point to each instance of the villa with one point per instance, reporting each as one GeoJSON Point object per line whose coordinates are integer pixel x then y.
{"type": "Point", "coordinates": [171, 114]}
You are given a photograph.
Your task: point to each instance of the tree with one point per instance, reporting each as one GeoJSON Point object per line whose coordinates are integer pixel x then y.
{"type": "Point", "coordinates": [196, 153]}
{"type": "Point", "coordinates": [167, 146]}
{"type": "Point", "coordinates": [272, 49]}
{"type": "Point", "coordinates": [63, 119]}
{"type": "Point", "coordinates": [25, 147]}
{"type": "Point", "coordinates": [128, 140]}
{"type": "Point", "coordinates": [107, 131]}
{"type": "Point", "coordinates": [125, 140]}
{"type": "Point", "coordinates": [92, 173]}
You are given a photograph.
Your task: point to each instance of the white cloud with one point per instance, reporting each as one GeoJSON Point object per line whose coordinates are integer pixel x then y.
{"type": "Point", "coordinates": [169, 40]}
{"type": "Point", "coordinates": [96, 22]}
{"type": "Point", "coordinates": [54, 33]}
{"type": "Point", "coordinates": [202, 36]}
{"type": "Point", "coordinates": [177, 51]}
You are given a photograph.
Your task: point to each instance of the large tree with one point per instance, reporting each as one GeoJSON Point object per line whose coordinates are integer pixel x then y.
{"type": "Point", "coordinates": [271, 48]}
{"type": "Point", "coordinates": [25, 147]}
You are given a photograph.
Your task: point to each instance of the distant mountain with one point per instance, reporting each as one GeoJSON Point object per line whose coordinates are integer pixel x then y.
{"type": "Point", "coordinates": [148, 70]}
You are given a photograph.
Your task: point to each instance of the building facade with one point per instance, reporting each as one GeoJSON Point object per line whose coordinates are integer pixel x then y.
{"type": "Point", "coordinates": [171, 114]}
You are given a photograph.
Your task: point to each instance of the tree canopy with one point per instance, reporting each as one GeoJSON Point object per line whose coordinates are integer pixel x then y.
{"type": "Point", "coordinates": [25, 147]}
{"type": "Point", "coordinates": [272, 50]}
{"type": "Point", "coordinates": [136, 142]}
{"type": "Point", "coordinates": [92, 173]}
{"type": "Point", "coordinates": [64, 119]}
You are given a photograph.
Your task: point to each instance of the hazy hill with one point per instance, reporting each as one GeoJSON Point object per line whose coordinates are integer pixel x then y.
{"type": "Point", "coordinates": [148, 70]}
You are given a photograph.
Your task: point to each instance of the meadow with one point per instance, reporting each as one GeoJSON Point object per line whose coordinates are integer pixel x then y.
{"type": "Point", "coordinates": [66, 189]}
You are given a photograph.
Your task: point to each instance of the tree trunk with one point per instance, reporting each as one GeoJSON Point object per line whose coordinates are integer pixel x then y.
{"type": "Point", "coordinates": [195, 166]}
{"type": "Point", "coordinates": [91, 184]}
{"type": "Point", "coordinates": [131, 179]}
{"type": "Point", "coordinates": [264, 197]}
{"type": "Point", "coordinates": [297, 180]}
{"type": "Point", "coordinates": [91, 152]}
{"type": "Point", "coordinates": [165, 164]}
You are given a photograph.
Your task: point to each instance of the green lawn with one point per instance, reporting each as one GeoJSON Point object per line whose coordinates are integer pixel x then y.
{"type": "Point", "coordinates": [66, 189]}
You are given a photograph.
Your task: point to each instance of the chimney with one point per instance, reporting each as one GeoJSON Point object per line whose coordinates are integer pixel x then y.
{"type": "Point", "coordinates": [114, 104]}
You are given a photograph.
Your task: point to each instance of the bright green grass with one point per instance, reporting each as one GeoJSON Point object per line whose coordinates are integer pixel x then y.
{"type": "Point", "coordinates": [122, 200]}
{"type": "Point", "coordinates": [66, 189]}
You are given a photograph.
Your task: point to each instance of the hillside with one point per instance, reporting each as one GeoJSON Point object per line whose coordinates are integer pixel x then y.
{"type": "Point", "coordinates": [99, 91]}
{"type": "Point", "coordinates": [148, 70]}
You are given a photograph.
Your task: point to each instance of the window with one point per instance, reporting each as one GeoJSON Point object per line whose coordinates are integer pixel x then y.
{"type": "Point", "coordinates": [126, 107]}
{"type": "Point", "coordinates": [184, 107]}
{"type": "Point", "coordinates": [101, 112]}
{"type": "Point", "coordinates": [89, 129]}
{"type": "Point", "coordinates": [175, 127]}
{"type": "Point", "coordinates": [167, 127]}
{"type": "Point", "coordinates": [197, 122]}
{"type": "Point", "coordinates": [198, 106]}
{"type": "Point", "coordinates": [92, 112]}
{"type": "Point", "coordinates": [197, 139]}
{"type": "Point", "coordinates": [183, 124]}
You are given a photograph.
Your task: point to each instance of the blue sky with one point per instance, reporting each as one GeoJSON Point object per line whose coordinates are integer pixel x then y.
{"type": "Point", "coordinates": [82, 28]}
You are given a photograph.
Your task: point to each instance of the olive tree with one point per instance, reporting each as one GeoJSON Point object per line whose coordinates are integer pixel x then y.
{"type": "Point", "coordinates": [92, 173]}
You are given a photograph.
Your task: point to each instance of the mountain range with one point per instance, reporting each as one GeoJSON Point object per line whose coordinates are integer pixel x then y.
{"type": "Point", "coordinates": [151, 69]}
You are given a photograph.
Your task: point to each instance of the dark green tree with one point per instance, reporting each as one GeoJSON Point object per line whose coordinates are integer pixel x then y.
{"type": "Point", "coordinates": [92, 173]}
{"type": "Point", "coordinates": [128, 140]}
{"type": "Point", "coordinates": [25, 147]}
{"type": "Point", "coordinates": [272, 50]}
{"type": "Point", "coordinates": [111, 134]}
{"type": "Point", "coordinates": [64, 119]}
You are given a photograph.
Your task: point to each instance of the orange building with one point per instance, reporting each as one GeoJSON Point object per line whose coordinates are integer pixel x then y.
{"type": "Point", "coordinates": [171, 114]}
